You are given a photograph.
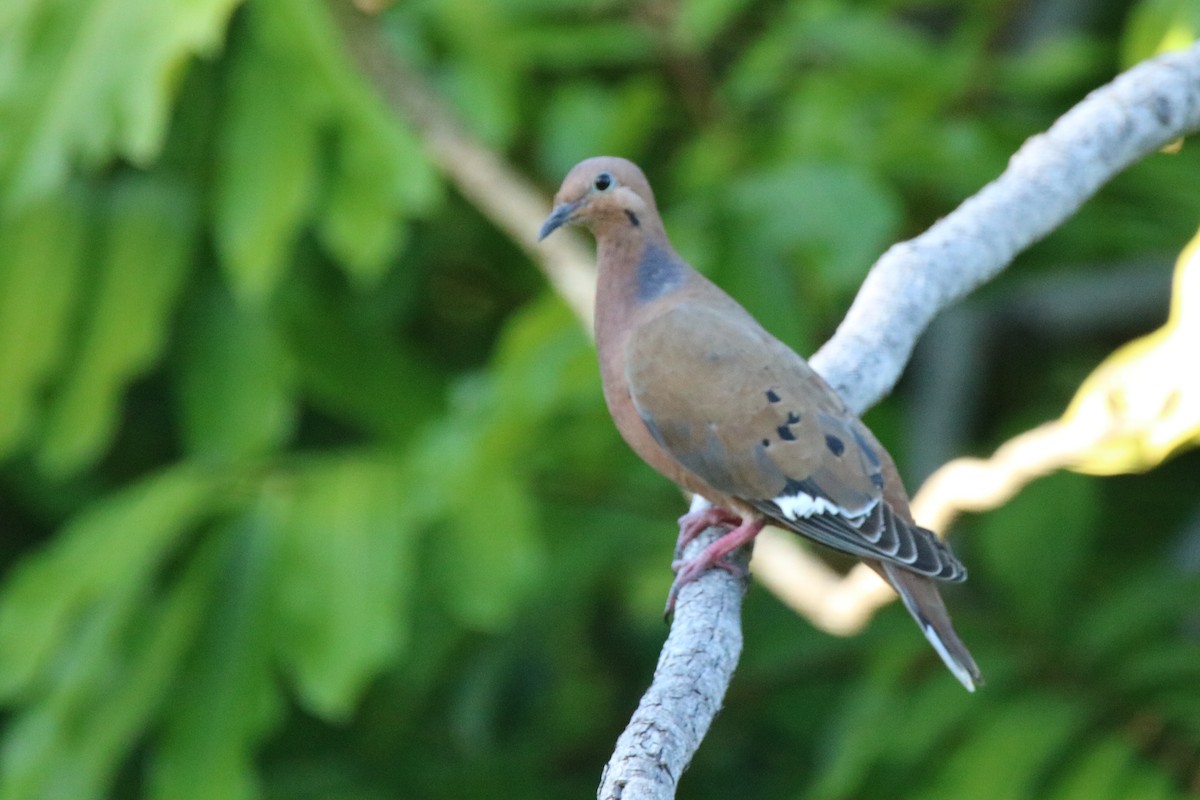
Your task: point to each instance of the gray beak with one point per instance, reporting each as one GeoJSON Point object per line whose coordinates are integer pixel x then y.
{"type": "Point", "coordinates": [558, 217]}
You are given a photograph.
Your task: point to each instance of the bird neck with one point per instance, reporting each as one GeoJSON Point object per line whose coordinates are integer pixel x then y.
{"type": "Point", "coordinates": [634, 270]}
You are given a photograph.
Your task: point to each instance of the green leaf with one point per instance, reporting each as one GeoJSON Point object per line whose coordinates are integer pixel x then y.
{"type": "Point", "coordinates": [485, 550]}
{"type": "Point", "coordinates": [110, 550]}
{"type": "Point", "coordinates": [840, 217]}
{"type": "Point", "coordinates": [113, 676]}
{"type": "Point", "coordinates": [543, 362]}
{"type": "Point", "coordinates": [226, 699]}
{"type": "Point", "coordinates": [485, 80]}
{"type": "Point", "coordinates": [1035, 552]}
{"type": "Point", "coordinates": [343, 528]}
{"type": "Point", "coordinates": [302, 31]}
{"type": "Point", "coordinates": [1150, 783]}
{"type": "Point", "coordinates": [381, 178]}
{"type": "Point", "coordinates": [931, 713]}
{"type": "Point", "coordinates": [1159, 26]}
{"type": "Point", "coordinates": [698, 24]}
{"type": "Point", "coordinates": [584, 43]}
{"type": "Point", "coordinates": [489, 554]}
{"type": "Point", "coordinates": [266, 181]}
{"type": "Point", "coordinates": [41, 250]}
{"type": "Point", "coordinates": [145, 257]}
{"type": "Point", "coordinates": [1132, 612]}
{"type": "Point", "coordinates": [84, 81]}
{"type": "Point", "coordinates": [862, 738]}
{"type": "Point", "coordinates": [857, 737]}
{"type": "Point", "coordinates": [1098, 772]}
{"type": "Point", "coordinates": [351, 368]}
{"type": "Point", "coordinates": [47, 731]}
{"type": "Point", "coordinates": [268, 188]}
{"type": "Point", "coordinates": [361, 220]}
{"type": "Point", "coordinates": [1160, 665]}
{"type": "Point", "coordinates": [591, 117]}
{"type": "Point", "coordinates": [234, 378]}
{"type": "Point", "coordinates": [1049, 66]}
{"type": "Point", "coordinates": [470, 469]}
{"type": "Point", "coordinates": [1020, 741]}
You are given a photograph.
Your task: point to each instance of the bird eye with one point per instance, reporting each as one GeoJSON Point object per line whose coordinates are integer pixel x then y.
{"type": "Point", "coordinates": [603, 181]}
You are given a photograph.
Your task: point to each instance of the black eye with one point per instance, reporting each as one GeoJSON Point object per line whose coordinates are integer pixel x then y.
{"type": "Point", "coordinates": [603, 181]}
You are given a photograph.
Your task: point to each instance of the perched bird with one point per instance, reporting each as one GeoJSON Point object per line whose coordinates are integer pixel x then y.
{"type": "Point", "coordinates": [712, 401]}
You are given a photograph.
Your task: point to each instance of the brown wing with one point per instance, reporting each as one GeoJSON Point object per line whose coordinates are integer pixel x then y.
{"type": "Point", "coordinates": [742, 411]}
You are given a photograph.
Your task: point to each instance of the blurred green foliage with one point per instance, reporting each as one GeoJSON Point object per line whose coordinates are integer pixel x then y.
{"type": "Point", "coordinates": [306, 486]}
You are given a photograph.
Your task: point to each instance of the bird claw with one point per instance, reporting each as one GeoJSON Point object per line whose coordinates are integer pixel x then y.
{"type": "Point", "coordinates": [694, 523]}
{"type": "Point", "coordinates": [714, 555]}
{"type": "Point", "coordinates": [688, 570]}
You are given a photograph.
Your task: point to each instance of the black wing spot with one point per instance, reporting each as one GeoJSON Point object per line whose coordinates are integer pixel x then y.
{"type": "Point", "coordinates": [835, 445]}
{"type": "Point", "coordinates": [785, 430]}
{"type": "Point", "coordinates": [877, 480]}
{"type": "Point", "coordinates": [772, 397]}
{"type": "Point", "coordinates": [766, 442]}
{"type": "Point", "coordinates": [633, 220]}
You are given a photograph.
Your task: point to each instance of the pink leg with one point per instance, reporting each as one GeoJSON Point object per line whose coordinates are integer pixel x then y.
{"type": "Point", "coordinates": [713, 556]}
{"type": "Point", "coordinates": [694, 523]}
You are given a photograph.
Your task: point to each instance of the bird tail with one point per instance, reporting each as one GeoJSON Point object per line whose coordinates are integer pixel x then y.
{"type": "Point", "coordinates": [921, 598]}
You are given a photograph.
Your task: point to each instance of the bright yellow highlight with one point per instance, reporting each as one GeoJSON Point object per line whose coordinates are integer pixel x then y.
{"type": "Point", "coordinates": [1143, 401]}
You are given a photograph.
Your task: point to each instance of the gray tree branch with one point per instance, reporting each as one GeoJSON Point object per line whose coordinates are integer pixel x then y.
{"type": "Point", "coordinates": [694, 670]}
{"type": "Point", "coordinates": [1048, 179]}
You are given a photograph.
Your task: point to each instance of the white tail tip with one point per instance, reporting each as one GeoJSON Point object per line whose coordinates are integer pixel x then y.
{"type": "Point", "coordinates": [963, 676]}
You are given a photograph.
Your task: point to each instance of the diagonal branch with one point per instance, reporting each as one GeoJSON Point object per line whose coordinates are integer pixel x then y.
{"type": "Point", "coordinates": [694, 670]}
{"type": "Point", "coordinates": [1048, 179]}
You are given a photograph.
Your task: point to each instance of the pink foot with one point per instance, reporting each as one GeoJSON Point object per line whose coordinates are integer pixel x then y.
{"type": "Point", "coordinates": [694, 523]}
{"type": "Point", "coordinates": [712, 556]}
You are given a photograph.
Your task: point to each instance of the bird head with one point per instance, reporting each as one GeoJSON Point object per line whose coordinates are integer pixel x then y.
{"type": "Point", "coordinates": [602, 192]}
